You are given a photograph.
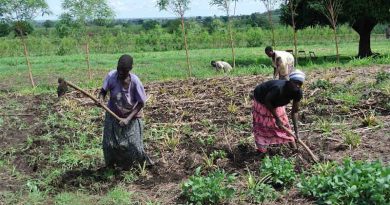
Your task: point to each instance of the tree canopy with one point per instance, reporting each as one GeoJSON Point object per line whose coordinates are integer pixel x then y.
{"type": "Point", "coordinates": [21, 10]}
{"type": "Point", "coordinates": [362, 15]}
{"type": "Point", "coordinates": [87, 10]}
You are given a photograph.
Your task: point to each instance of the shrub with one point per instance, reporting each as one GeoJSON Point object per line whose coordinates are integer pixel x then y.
{"type": "Point", "coordinates": [281, 170]}
{"type": "Point", "coordinates": [211, 189]}
{"type": "Point", "coordinates": [353, 182]}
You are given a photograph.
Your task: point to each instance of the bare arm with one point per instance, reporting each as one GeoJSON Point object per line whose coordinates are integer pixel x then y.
{"type": "Point", "coordinates": [136, 109]}
{"type": "Point", "coordinates": [278, 61]}
{"type": "Point", "coordinates": [294, 116]}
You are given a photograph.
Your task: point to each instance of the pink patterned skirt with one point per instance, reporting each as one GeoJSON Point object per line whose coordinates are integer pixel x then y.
{"type": "Point", "coordinates": [265, 130]}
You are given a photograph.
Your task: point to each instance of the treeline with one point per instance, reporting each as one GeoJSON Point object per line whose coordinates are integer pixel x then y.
{"type": "Point", "coordinates": [62, 37]}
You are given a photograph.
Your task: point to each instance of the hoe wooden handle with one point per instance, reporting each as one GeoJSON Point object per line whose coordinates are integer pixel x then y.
{"type": "Point", "coordinates": [315, 158]}
{"type": "Point", "coordinates": [93, 98]}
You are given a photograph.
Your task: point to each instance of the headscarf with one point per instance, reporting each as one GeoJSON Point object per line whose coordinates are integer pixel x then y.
{"type": "Point", "coordinates": [298, 76]}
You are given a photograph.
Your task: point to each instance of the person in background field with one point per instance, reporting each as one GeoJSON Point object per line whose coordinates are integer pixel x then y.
{"type": "Point", "coordinates": [122, 140]}
{"type": "Point", "coordinates": [221, 65]}
{"type": "Point", "coordinates": [282, 61]}
{"type": "Point", "coordinates": [269, 113]}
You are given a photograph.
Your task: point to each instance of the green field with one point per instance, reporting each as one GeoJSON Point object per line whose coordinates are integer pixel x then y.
{"type": "Point", "coordinates": [170, 65]}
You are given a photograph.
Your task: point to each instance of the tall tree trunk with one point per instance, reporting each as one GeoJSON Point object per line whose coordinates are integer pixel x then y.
{"type": "Point", "coordinates": [295, 31]}
{"type": "Point", "coordinates": [186, 46]}
{"type": "Point", "coordinates": [337, 44]}
{"type": "Point", "coordinates": [295, 46]}
{"type": "Point", "coordinates": [232, 42]}
{"type": "Point", "coordinates": [363, 27]}
{"type": "Point", "coordinates": [27, 60]}
{"type": "Point", "coordinates": [87, 58]}
{"type": "Point", "coordinates": [271, 23]}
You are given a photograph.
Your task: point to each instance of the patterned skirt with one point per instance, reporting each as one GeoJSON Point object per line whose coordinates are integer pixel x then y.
{"type": "Point", "coordinates": [123, 146]}
{"type": "Point", "coordinates": [265, 130]}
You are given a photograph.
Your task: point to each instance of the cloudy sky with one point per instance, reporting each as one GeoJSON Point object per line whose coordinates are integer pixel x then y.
{"type": "Point", "coordinates": [147, 8]}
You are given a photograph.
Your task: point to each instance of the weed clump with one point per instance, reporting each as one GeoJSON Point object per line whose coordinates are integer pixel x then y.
{"type": "Point", "coordinates": [382, 76]}
{"type": "Point", "coordinates": [322, 84]}
{"type": "Point", "coordinates": [352, 139]}
{"type": "Point", "coordinates": [259, 192]}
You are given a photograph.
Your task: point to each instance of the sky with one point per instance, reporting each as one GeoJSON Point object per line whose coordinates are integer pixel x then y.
{"type": "Point", "coordinates": [147, 9]}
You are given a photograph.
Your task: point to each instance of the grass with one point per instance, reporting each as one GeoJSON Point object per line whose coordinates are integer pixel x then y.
{"type": "Point", "coordinates": [169, 65]}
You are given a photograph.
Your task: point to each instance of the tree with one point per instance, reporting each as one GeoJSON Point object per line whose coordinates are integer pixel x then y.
{"type": "Point", "coordinates": [65, 25]}
{"type": "Point", "coordinates": [270, 6]}
{"type": "Point", "coordinates": [4, 29]}
{"type": "Point", "coordinates": [293, 5]}
{"type": "Point", "coordinates": [19, 12]}
{"type": "Point", "coordinates": [331, 9]}
{"type": "Point", "coordinates": [22, 28]}
{"type": "Point", "coordinates": [225, 5]}
{"type": "Point", "coordinates": [84, 11]}
{"type": "Point", "coordinates": [179, 7]}
{"type": "Point", "coordinates": [150, 24]}
{"type": "Point", "coordinates": [48, 24]}
{"type": "Point", "coordinates": [362, 15]}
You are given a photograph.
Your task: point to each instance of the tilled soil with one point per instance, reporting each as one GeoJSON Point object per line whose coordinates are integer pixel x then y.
{"type": "Point", "coordinates": [197, 109]}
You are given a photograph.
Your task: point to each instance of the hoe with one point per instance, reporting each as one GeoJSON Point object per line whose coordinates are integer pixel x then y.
{"type": "Point", "coordinates": [315, 158]}
{"type": "Point", "coordinates": [63, 88]}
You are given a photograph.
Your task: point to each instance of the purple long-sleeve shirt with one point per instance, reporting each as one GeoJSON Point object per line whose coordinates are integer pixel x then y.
{"type": "Point", "coordinates": [123, 100]}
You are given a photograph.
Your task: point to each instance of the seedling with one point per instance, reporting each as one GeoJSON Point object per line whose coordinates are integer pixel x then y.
{"type": "Point", "coordinates": [143, 172]}
{"type": "Point", "coordinates": [369, 120]}
{"type": "Point", "coordinates": [188, 93]}
{"type": "Point", "coordinates": [232, 108]}
{"type": "Point", "coordinates": [172, 141]}
{"type": "Point", "coordinates": [227, 91]}
{"type": "Point", "coordinates": [352, 139]}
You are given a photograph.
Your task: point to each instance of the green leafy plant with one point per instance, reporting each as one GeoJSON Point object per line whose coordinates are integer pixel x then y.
{"type": "Point", "coordinates": [281, 170]}
{"type": "Point", "coordinates": [210, 140]}
{"type": "Point", "coordinates": [353, 182]}
{"type": "Point", "coordinates": [216, 154]}
{"type": "Point", "coordinates": [211, 189]}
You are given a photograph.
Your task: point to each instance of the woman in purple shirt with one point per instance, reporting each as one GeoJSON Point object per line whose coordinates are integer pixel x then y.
{"type": "Point", "coordinates": [122, 140]}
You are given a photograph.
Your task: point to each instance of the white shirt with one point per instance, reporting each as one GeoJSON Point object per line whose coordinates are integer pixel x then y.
{"type": "Point", "coordinates": [286, 65]}
{"type": "Point", "coordinates": [219, 65]}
